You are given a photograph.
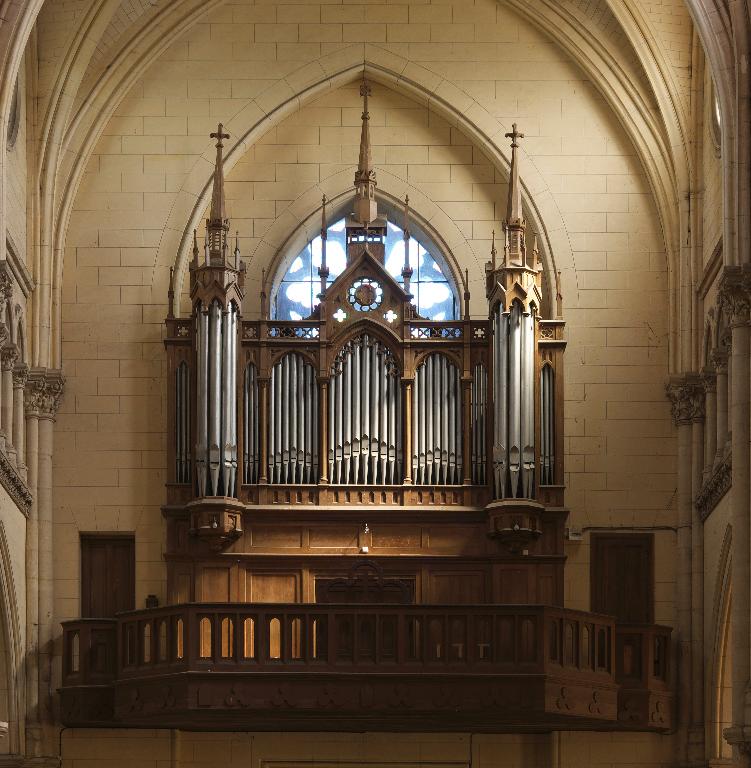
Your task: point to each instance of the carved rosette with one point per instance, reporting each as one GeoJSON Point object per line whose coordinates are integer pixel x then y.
{"type": "Point", "coordinates": [735, 294]}
{"type": "Point", "coordinates": [686, 395]}
{"type": "Point", "coordinates": [43, 393]}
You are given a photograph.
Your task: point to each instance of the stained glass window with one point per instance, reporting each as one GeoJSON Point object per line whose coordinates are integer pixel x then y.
{"type": "Point", "coordinates": [297, 292]}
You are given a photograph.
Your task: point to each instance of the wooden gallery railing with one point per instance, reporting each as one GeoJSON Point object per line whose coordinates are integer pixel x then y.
{"type": "Point", "coordinates": [568, 647]}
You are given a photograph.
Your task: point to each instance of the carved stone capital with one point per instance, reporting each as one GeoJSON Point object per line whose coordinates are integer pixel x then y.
{"type": "Point", "coordinates": [686, 395]}
{"type": "Point", "coordinates": [734, 296]}
{"type": "Point", "coordinates": [9, 357]}
{"type": "Point", "coordinates": [709, 380]}
{"type": "Point", "coordinates": [719, 358]}
{"type": "Point", "coordinates": [6, 284]}
{"type": "Point", "coordinates": [20, 375]}
{"type": "Point", "coordinates": [43, 392]}
{"type": "Point", "coordinates": [739, 737]}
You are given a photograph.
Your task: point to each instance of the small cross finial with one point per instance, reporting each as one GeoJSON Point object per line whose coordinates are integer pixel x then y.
{"type": "Point", "coordinates": [514, 136]}
{"type": "Point", "coordinates": [219, 134]}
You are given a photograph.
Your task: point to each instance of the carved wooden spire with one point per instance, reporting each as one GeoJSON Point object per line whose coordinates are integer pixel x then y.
{"type": "Point", "coordinates": [217, 225]}
{"type": "Point", "coordinates": [514, 275]}
{"type": "Point", "coordinates": [515, 224]}
{"type": "Point", "coordinates": [366, 208]}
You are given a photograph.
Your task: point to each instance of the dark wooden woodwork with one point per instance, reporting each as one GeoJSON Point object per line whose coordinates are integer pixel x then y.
{"type": "Point", "coordinates": [365, 584]}
{"type": "Point", "coordinates": [622, 575]}
{"type": "Point", "coordinates": [108, 581]}
{"type": "Point", "coordinates": [382, 667]}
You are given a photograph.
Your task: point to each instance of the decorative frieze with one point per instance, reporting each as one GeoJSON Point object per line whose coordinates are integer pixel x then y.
{"type": "Point", "coordinates": [715, 488]}
{"type": "Point", "coordinates": [14, 484]}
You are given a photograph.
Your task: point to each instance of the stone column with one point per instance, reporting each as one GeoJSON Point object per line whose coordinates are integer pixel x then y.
{"type": "Point", "coordinates": [710, 422]}
{"type": "Point", "coordinates": [720, 359]}
{"type": "Point", "coordinates": [20, 376]}
{"type": "Point", "coordinates": [735, 299]}
{"type": "Point", "coordinates": [43, 393]}
{"type": "Point", "coordinates": [8, 359]}
{"type": "Point", "coordinates": [686, 395]}
{"type": "Point", "coordinates": [696, 732]}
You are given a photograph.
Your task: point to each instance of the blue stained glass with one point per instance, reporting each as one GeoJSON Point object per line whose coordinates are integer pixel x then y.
{"type": "Point", "coordinates": [297, 293]}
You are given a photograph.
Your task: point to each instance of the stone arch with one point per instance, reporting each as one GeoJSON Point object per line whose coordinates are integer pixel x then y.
{"type": "Point", "coordinates": [433, 235]}
{"type": "Point", "coordinates": [295, 88]}
{"type": "Point", "coordinates": [449, 103]}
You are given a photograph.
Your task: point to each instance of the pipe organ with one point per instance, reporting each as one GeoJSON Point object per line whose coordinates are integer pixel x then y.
{"type": "Point", "coordinates": [365, 455]}
{"type": "Point", "coordinates": [365, 399]}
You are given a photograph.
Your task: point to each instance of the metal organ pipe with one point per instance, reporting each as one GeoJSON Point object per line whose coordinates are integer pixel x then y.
{"type": "Point", "coordinates": [216, 412]}
{"type": "Point", "coordinates": [547, 422]}
{"type": "Point", "coordinates": [500, 400]}
{"type": "Point", "coordinates": [528, 413]}
{"type": "Point", "coordinates": [513, 402]}
{"type": "Point", "coordinates": [293, 422]}
{"type": "Point", "coordinates": [251, 433]}
{"type": "Point", "coordinates": [182, 424]}
{"type": "Point", "coordinates": [202, 348]}
{"type": "Point", "coordinates": [479, 436]}
{"type": "Point", "coordinates": [364, 411]}
{"type": "Point", "coordinates": [436, 421]}
{"type": "Point", "coordinates": [214, 401]}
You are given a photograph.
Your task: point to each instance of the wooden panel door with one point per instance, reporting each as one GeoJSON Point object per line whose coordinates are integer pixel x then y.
{"type": "Point", "coordinates": [108, 575]}
{"type": "Point", "coordinates": [623, 576]}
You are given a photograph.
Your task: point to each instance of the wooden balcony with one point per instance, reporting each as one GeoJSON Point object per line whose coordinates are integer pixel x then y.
{"type": "Point", "coordinates": [313, 667]}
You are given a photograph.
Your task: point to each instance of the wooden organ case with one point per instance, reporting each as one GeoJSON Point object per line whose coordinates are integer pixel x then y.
{"type": "Point", "coordinates": [365, 517]}
{"type": "Point", "coordinates": [433, 448]}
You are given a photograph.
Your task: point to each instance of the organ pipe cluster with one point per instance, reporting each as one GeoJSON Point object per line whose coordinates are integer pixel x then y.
{"type": "Point", "coordinates": [293, 422]}
{"type": "Point", "coordinates": [216, 419]}
{"type": "Point", "coordinates": [365, 415]}
{"type": "Point", "coordinates": [437, 422]}
{"type": "Point", "coordinates": [513, 393]}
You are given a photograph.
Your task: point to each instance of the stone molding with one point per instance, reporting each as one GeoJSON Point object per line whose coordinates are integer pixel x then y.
{"type": "Point", "coordinates": [43, 392]}
{"type": "Point", "coordinates": [686, 395]}
{"type": "Point", "coordinates": [14, 484]}
{"type": "Point", "coordinates": [715, 488]}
